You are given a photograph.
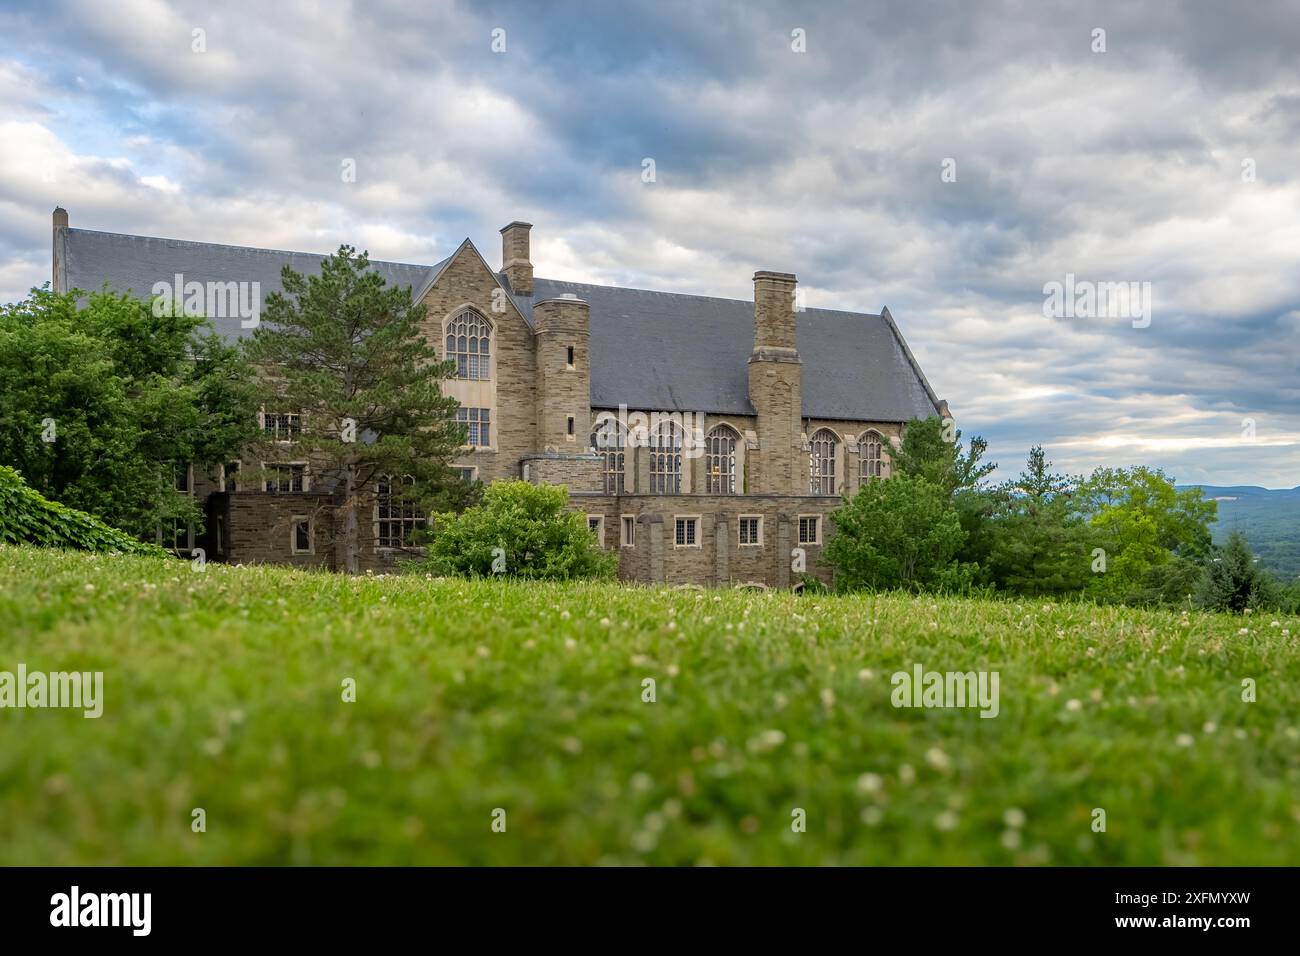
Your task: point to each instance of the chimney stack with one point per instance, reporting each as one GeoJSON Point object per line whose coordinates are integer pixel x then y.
{"type": "Point", "coordinates": [515, 261]}
{"type": "Point", "coordinates": [780, 465]}
{"type": "Point", "coordinates": [59, 268]}
{"type": "Point", "coordinates": [774, 311]}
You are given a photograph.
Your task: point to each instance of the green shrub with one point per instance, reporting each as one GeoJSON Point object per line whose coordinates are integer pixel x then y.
{"type": "Point", "coordinates": [27, 517]}
{"type": "Point", "coordinates": [899, 533]}
{"type": "Point", "coordinates": [521, 530]}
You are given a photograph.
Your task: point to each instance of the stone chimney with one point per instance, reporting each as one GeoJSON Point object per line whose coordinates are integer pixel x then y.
{"type": "Point", "coordinates": [776, 389]}
{"type": "Point", "coordinates": [59, 269]}
{"type": "Point", "coordinates": [774, 310]}
{"type": "Point", "coordinates": [515, 261]}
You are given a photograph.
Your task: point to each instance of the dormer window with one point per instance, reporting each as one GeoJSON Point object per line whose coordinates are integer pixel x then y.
{"type": "Point", "coordinates": [469, 339]}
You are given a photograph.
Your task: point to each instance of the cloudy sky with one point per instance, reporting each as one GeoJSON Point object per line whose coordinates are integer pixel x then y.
{"type": "Point", "coordinates": [945, 159]}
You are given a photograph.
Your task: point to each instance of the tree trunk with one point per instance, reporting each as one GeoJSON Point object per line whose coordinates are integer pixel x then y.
{"type": "Point", "coordinates": [350, 544]}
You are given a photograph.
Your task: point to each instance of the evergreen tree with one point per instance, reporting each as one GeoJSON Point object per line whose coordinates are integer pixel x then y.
{"type": "Point", "coordinates": [1232, 581]}
{"type": "Point", "coordinates": [1041, 544]}
{"type": "Point", "coordinates": [348, 354]}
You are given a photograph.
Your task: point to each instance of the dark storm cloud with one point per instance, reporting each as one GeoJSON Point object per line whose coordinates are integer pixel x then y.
{"type": "Point", "coordinates": [1125, 165]}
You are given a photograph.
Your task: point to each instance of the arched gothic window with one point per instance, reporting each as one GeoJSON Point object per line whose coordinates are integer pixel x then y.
{"type": "Point", "coordinates": [821, 463]}
{"type": "Point", "coordinates": [720, 461]}
{"type": "Point", "coordinates": [609, 440]}
{"type": "Point", "coordinates": [666, 459]}
{"type": "Point", "coordinates": [871, 446]}
{"type": "Point", "coordinates": [469, 339]}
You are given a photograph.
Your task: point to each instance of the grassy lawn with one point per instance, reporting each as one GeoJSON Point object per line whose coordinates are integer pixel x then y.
{"type": "Point", "coordinates": [223, 690]}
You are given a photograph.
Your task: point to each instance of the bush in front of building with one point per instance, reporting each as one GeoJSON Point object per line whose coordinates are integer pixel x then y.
{"type": "Point", "coordinates": [521, 530]}
{"type": "Point", "coordinates": [900, 533]}
{"type": "Point", "coordinates": [28, 517]}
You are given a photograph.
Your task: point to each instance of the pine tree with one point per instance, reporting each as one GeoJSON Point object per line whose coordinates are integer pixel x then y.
{"type": "Point", "coordinates": [348, 354]}
{"type": "Point", "coordinates": [1232, 581]}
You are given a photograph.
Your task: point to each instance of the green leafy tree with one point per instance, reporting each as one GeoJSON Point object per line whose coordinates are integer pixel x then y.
{"type": "Point", "coordinates": [899, 533]}
{"type": "Point", "coordinates": [348, 353]}
{"type": "Point", "coordinates": [1041, 543]}
{"type": "Point", "coordinates": [521, 530]}
{"type": "Point", "coordinates": [101, 402]}
{"type": "Point", "coordinates": [1232, 581]}
{"type": "Point", "coordinates": [1144, 523]}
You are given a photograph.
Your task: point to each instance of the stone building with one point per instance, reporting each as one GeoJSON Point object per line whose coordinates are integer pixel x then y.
{"type": "Point", "coordinates": [706, 439]}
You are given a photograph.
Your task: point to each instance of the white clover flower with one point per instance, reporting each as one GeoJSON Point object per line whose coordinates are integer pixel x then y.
{"type": "Point", "coordinates": [870, 782]}
{"type": "Point", "coordinates": [946, 821]}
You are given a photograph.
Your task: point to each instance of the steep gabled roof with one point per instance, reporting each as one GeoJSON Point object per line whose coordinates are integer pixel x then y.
{"type": "Point", "coordinates": [664, 350]}
{"type": "Point", "coordinates": [134, 263]}
{"type": "Point", "coordinates": [650, 350]}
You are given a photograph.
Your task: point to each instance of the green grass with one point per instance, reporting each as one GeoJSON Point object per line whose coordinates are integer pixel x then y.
{"type": "Point", "coordinates": [223, 691]}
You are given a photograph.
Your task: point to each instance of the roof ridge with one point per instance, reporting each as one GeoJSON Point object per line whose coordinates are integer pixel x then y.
{"type": "Point", "coordinates": [228, 245]}
{"type": "Point", "coordinates": [692, 295]}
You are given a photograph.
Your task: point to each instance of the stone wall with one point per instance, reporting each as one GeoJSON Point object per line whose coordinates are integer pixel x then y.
{"type": "Point", "coordinates": [718, 558]}
{"type": "Point", "coordinates": [468, 281]}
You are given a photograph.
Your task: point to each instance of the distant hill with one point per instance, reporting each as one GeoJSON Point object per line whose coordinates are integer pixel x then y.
{"type": "Point", "coordinates": [1269, 518]}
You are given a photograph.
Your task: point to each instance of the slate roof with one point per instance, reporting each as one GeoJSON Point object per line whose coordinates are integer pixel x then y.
{"type": "Point", "coordinates": [650, 350]}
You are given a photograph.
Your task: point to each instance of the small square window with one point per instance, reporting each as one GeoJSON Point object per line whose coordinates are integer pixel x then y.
{"type": "Point", "coordinates": [687, 533]}
{"type": "Point", "coordinates": [629, 531]}
{"type": "Point", "coordinates": [751, 530]}
{"type": "Point", "coordinates": [809, 529]}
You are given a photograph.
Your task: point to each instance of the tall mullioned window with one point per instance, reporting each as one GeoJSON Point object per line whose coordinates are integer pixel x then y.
{"type": "Point", "coordinates": [609, 441]}
{"type": "Point", "coordinates": [478, 428]}
{"type": "Point", "coordinates": [821, 463]}
{"type": "Point", "coordinates": [396, 517]}
{"type": "Point", "coordinates": [720, 461]}
{"type": "Point", "coordinates": [469, 343]}
{"type": "Point", "coordinates": [666, 459]}
{"type": "Point", "coordinates": [872, 448]}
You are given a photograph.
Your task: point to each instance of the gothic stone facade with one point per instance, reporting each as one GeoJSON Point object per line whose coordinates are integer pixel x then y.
{"type": "Point", "coordinates": [706, 439]}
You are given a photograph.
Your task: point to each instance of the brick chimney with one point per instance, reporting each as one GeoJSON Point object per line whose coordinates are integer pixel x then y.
{"type": "Point", "coordinates": [59, 268]}
{"type": "Point", "coordinates": [515, 261]}
{"type": "Point", "coordinates": [776, 389]}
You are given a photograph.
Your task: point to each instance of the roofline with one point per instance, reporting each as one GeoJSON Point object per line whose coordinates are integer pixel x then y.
{"type": "Point", "coordinates": [689, 295]}
{"type": "Point", "coordinates": [226, 245]}
{"type": "Point", "coordinates": [911, 359]}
